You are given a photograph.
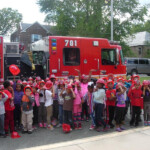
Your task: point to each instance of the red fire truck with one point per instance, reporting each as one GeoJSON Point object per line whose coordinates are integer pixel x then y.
{"type": "Point", "coordinates": [1, 58]}
{"type": "Point", "coordinates": [84, 54]}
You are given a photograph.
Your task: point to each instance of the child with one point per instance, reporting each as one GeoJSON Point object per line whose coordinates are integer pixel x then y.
{"type": "Point", "coordinates": [61, 87]}
{"type": "Point", "coordinates": [111, 100]}
{"type": "Point", "coordinates": [55, 99]}
{"type": "Point", "coordinates": [18, 94]}
{"type": "Point", "coordinates": [9, 108]}
{"type": "Point", "coordinates": [2, 113]}
{"type": "Point", "coordinates": [84, 84]}
{"type": "Point", "coordinates": [27, 110]}
{"type": "Point", "coordinates": [42, 109]}
{"type": "Point", "coordinates": [77, 106]}
{"type": "Point", "coordinates": [68, 96]}
{"type": "Point", "coordinates": [120, 106]}
{"type": "Point", "coordinates": [89, 98]}
{"type": "Point", "coordinates": [146, 100]}
{"type": "Point", "coordinates": [99, 98]}
{"type": "Point", "coordinates": [49, 94]}
{"type": "Point", "coordinates": [135, 94]}
{"type": "Point", "coordinates": [36, 104]}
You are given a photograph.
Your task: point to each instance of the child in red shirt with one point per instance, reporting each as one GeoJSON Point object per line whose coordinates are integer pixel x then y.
{"type": "Point", "coordinates": [111, 100]}
{"type": "Point", "coordinates": [135, 94]}
{"type": "Point", "coordinates": [9, 109]}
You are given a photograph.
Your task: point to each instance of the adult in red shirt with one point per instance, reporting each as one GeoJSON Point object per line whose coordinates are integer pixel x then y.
{"type": "Point", "coordinates": [111, 100]}
{"type": "Point", "coordinates": [9, 109]}
{"type": "Point", "coordinates": [135, 95]}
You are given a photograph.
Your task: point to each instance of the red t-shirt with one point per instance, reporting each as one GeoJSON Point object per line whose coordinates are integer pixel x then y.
{"type": "Point", "coordinates": [136, 97]}
{"type": "Point", "coordinates": [9, 105]}
{"type": "Point", "coordinates": [108, 95]}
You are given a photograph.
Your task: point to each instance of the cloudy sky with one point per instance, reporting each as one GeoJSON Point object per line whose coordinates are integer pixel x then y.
{"type": "Point", "coordinates": [30, 10]}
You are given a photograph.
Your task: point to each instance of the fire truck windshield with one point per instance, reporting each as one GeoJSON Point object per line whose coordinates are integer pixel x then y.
{"type": "Point", "coordinates": [108, 56]}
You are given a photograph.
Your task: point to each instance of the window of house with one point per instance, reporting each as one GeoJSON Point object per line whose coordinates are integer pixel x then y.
{"type": "Point", "coordinates": [108, 57]}
{"type": "Point", "coordinates": [35, 37]}
{"type": "Point", "coordinates": [132, 61]}
{"type": "Point", "coordinates": [71, 56]}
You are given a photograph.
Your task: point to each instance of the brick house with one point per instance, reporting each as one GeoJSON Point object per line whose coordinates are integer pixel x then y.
{"type": "Point", "coordinates": [29, 33]}
{"type": "Point", "coordinates": [140, 44]}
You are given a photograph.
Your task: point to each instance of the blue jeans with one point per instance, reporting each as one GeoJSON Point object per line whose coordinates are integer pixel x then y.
{"type": "Point", "coordinates": [99, 108]}
{"type": "Point", "coordinates": [2, 124]}
{"type": "Point", "coordinates": [93, 118]}
{"type": "Point", "coordinates": [61, 114]}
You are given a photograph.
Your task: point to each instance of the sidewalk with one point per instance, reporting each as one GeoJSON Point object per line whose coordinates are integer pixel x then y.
{"type": "Point", "coordinates": [132, 139]}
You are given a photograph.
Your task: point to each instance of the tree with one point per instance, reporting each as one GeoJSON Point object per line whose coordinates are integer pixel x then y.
{"type": "Point", "coordinates": [9, 19]}
{"type": "Point", "coordinates": [91, 18]}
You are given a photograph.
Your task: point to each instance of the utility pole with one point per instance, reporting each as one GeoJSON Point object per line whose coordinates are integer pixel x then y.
{"type": "Point", "coordinates": [112, 17]}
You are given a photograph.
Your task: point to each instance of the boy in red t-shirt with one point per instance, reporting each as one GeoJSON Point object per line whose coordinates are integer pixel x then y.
{"type": "Point", "coordinates": [111, 100]}
{"type": "Point", "coordinates": [135, 95]}
{"type": "Point", "coordinates": [9, 108]}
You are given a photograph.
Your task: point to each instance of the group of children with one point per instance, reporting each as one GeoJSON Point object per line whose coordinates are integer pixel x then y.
{"type": "Point", "coordinates": [54, 102]}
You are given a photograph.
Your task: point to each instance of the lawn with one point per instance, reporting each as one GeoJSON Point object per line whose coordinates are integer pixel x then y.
{"type": "Point", "coordinates": [141, 78]}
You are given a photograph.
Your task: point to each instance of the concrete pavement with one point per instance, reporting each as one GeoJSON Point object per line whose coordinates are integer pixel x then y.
{"type": "Point", "coordinates": [133, 139]}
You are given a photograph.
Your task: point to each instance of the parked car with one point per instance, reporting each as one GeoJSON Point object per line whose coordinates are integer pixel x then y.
{"type": "Point", "coordinates": [137, 65]}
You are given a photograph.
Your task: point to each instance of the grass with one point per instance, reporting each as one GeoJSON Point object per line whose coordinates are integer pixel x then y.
{"type": "Point", "coordinates": [141, 78]}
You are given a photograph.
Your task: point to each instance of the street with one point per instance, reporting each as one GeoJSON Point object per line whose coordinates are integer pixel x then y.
{"type": "Point", "coordinates": [44, 139]}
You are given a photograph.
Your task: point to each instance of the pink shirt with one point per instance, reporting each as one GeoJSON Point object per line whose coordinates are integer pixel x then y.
{"type": "Point", "coordinates": [84, 88]}
{"type": "Point", "coordinates": [36, 97]}
{"type": "Point", "coordinates": [77, 100]}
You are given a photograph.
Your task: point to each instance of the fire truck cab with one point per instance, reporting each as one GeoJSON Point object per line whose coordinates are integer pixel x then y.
{"type": "Point", "coordinates": [69, 53]}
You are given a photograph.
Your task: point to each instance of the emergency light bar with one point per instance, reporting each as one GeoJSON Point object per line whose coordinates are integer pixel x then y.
{"type": "Point", "coordinates": [54, 46]}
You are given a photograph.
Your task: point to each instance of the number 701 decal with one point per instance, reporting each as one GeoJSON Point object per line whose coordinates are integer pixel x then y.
{"type": "Point", "coordinates": [70, 43]}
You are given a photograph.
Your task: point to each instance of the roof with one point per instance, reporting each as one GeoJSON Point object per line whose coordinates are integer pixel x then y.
{"type": "Point", "coordinates": [138, 39]}
{"type": "Point", "coordinates": [25, 26]}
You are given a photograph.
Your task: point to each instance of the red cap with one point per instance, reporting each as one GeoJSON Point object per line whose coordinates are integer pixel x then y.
{"type": "Point", "coordinates": [35, 85]}
{"type": "Point", "coordinates": [110, 81]}
{"type": "Point", "coordinates": [135, 76]}
{"type": "Point", "coordinates": [83, 77]}
{"type": "Point", "coordinates": [19, 82]}
{"type": "Point", "coordinates": [78, 83]}
{"type": "Point", "coordinates": [42, 81]}
{"type": "Point", "coordinates": [61, 82]}
{"type": "Point", "coordinates": [66, 128]}
{"type": "Point", "coordinates": [47, 79]}
{"type": "Point", "coordinates": [1, 87]}
{"type": "Point", "coordinates": [38, 78]}
{"type": "Point", "coordinates": [69, 86]}
{"type": "Point", "coordinates": [110, 76]}
{"type": "Point", "coordinates": [52, 76]}
{"type": "Point", "coordinates": [120, 79]}
{"type": "Point", "coordinates": [24, 82]}
{"type": "Point", "coordinates": [15, 135]}
{"type": "Point", "coordinates": [100, 81]}
{"type": "Point", "coordinates": [137, 82]}
{"type": "Point", "coordinates": [145, 82]}
{"type": "Point", "coordinates": [11, 83]}
{"type": "Point", "coordinates": [48, 84]}
{"type": "Point", "coordinates": [119, 84]}
{"type": "Point", "coordinates": [105, 78]}
{"type": "Point", "coordinates": [30, 79]}
{"type": "Point", "coordinates": [28, 86]}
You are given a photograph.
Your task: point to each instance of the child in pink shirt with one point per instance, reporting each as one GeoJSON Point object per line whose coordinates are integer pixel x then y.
{"type": "Point", "coordinates": [77, 106]}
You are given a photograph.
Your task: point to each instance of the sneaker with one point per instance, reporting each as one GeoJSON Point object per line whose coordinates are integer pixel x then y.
{"type": "Point", "coordinates": [105, 129]}
{"type": "Point", "coordinates": [145, 123]}
{"type": "Point", "coordinates": [44, 125]}
{"type": "Point", "coordinates": [122, 128]}
{"type": "Point", "coordinates": [29, 132]}
{"type": "Point", "coordinates": [40, 125]}
{"type": "Point", "coordinates": [92, 127]}
{"type": "Point", "coordinates": [59, 125]}
{"type": "Point", "coordinates": [79, 126]}
{"type": "Point", "coordinates": [23, 131]}
{"type": "Point", "coordinates": [75, 126]}
{"type": "Point", "coordinates": [98, 129]}
{"type": "Point", "coordinates": [50, 127]}
{"type": "Point", "coordinates": [3, 135]}
{"type": "Point", "coordinates": [34, 127]}
{"type": "Point", "coordinates": [87, 119]}
{"type": "Point", "coordinates": [118, 129]}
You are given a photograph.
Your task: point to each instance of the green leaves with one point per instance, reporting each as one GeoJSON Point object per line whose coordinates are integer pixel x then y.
{"type": "Point", "coordinates": [91, 18]}
{"type": "Point", "coordinates": [9, 19]}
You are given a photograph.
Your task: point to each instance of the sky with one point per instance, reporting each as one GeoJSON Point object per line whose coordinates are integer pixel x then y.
{"type": "Point", "coordinates": [30, 10]}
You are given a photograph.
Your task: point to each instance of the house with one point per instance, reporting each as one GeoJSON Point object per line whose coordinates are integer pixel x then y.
{"type": "Point", "coordinates": [29, 33]}
{"type": "Point", "coordinates": [140, 44]}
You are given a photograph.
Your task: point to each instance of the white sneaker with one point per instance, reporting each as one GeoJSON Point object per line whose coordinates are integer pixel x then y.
{"type": "Point", "coordinates": [59, 125]}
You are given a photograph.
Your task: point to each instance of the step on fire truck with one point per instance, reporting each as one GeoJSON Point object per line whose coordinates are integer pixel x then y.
{"type": "Point", "coordinates": [69, 53]}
